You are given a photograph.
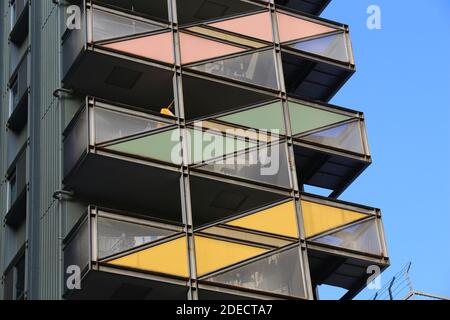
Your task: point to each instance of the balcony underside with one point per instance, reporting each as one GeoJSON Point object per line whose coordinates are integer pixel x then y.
{"type": "Point", "coordinates": [313, 80]}
{"type": "Point", "coordinates": [105, 181]}
{"type": "Point", "coordinates": [314, 7]}
{"type": "Point", "coordinates": [328, 170]}
{"type": "Point", "coordinates": [339, 270]}
{"type": "Point", "coordinates": [98, 285]}
{"type": "Point", "coordinates": [126, 81]}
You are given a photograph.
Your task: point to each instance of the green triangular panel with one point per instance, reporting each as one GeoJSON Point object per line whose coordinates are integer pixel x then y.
{"type": "Point", "coordinates": [268, 117]}
{"type": "Point", "coordinates": [305, 118]}
{"type": "Point", "coordinates": [163, 146]}
{"type": "Point", "coordinates": [280, 273]}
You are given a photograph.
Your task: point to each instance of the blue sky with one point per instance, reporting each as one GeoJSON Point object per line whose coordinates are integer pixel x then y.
{"type": "Point", "coordinates": [402, 84]}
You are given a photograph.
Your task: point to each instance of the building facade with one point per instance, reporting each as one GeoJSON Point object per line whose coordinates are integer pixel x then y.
{"type": "Point", "coordinates": [163, 149]}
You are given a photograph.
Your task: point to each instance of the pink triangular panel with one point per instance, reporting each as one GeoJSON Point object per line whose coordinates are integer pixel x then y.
{"type": "Point", "coordinates": [197, 49]}
{"type": "Point", "coordinates": [157, 47]}
{"type": "Point", "coordinates": [257, 26]}
{"type": "Point", "coordinates": [293, 28]}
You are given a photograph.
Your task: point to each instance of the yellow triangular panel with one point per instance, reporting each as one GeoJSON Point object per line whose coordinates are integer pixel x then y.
{"type": "Point", "coordinates": [280, 220]}
{"type": "Point", "coordinates": [169, 258]}
{"type": "Point", "coordinates": [212, 254]}
{"type": "Point", "coordinates": [319, 218]}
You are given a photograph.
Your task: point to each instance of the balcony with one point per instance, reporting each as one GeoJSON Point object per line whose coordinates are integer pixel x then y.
{"type": "Point", "coordinates": [19, 21]}
{"type": "Point", "coordinates": [314, 7]}
{"type": "Point", "coordinates": [120, 75]}
{"type": "Point", "coordinates": [18, 103]}
{"type": "Point", "coordinates": [343, 241]}
{"type": "Point", "coordinates": [106, 144]}
{"type": "Point", "coordinates": [100, 244]}
{"type": "Point", "coordinates": [330, 145]}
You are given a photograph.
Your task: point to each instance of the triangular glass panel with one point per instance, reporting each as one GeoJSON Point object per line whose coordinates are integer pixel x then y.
{"type": "Point", "coordinates": [206, 145]}
{"type": "Point", "coordinates": [112, 125]}
{"type": "Point", "coordinates": [293, 28]}
{"type": "Point", "coordinates": [266, 164]}
{"type": "Point", "coordinates": [257, 68]}
{"type": "Point", "coordinates": [346, 137]}
{"type": "Point", "coordinates": [269, 117]}
{"type": "Point", "coordinates": [257, 26]}
{"type": "Point", "coordinates": [280, 220]}
{"type": "Point", "coordinates": [305, 118]}
{"type": "Point", "coordinates": [153, 8]}
{"type": "Point", "coordinates": [280, 273]}
{"type": "Point", "coordinates": [162, 146]}
{"type": "Point", "coordinates": [319, 218]}
{"type": "Point", "coordinates": [116, 236]}
{"type": "Point", "coordinates": [194, 48]}
{"type": "Point", "coordinates": [332, 46]}
{"type": "Point", "coordinates": [107, 25]}
{"type": "Point", "coordinates": [168, 258]}
{"type": "Point", "coordinates": [156, 47]}
{"type": "Point", "coordinates": [213, 254]}
{"type": "Point", "coordinates": [361, 237]}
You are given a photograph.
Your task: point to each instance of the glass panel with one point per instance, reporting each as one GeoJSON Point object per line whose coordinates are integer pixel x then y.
{"type": "Point", "coordinates": [257, 26]}
{"type": "Point", "coordinates": [8, 285]}
{"type": "Point", "coordinates": [280, 273]}
{"type": "Point", "coordinates": [156, 47]}
{"type": "Point", "coordinates": [244, 235]}
{"type": "Point", "coordinates": [305, 118]}
{"type": "Point", "coordinates": [292, 28]}
{"type": "Point", "coordinates": [76, 143]}
{"type": "Point", "coordinates": [333, 47]}
{"type": "Point", "coordinates": [265, 164]}
{"type": "Point", "coordinates": [236, 39]}
{"type": "Point", "coordinates": [107, 25]}
{"type": "Point", "coordinates": [362, 237]}
{"type": "Point", "coordinates": [206, 145]}
{"type": "Point", "coordinates": [73, 44]}
{"type": "Point", "coordinates": [20, 278]}
{"type": "Point", "coordinates": [255, 68]}
{"type": "Point", "coordinates": [117, 236]}
{"type": "Point", "coordinates": [77, 252]}
{"type": "Point", "coordinates": [269, 117]}
{"type": "Point", "coordinates": [111, 125]}
{"type": "Point", "coordinates": [162, 146]}
{"type": "Point", "coordinates": [346, 137]}
{"type": "Point", "coordinates": [195, 48]}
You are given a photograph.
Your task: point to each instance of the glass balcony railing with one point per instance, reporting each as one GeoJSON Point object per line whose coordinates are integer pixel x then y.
{"type": "Point", "coordinates": [105, 144]}
{"type": "Point", "coordinates": [17, 190]}
{"type": "Point", "coordinates": [346, 236]}
{"type": "Point", "coordinates": [100, 245]}
{"type": "Point", "coordinates": [18, 96]}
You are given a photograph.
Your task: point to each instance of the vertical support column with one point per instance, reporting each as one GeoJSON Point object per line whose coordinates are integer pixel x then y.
{"type": "Point", "coordinates": [296, 189]}
{"type": "Point", "coordinates": [184, 178]}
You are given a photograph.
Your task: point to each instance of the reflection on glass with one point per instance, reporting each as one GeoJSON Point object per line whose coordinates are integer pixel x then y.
{"type": "Point", "coordinates": [117, 236]}
{"type": "Point", "coordinates": [280, 273]}
{"type": "Point", "coordinates": [333, 46]}
{"type": "Point", "coordinates": [362, 237]}
{"type": "Point", "coordinates": [107, 26]}
{"type": "Point", "coordinates": [111, 125]}
{"type": "Point", "coordinates": [266, 164]}
{"type": "Point", "coordinates": [77, 251]}
{"type": "Point", "coordinates": [254, 68]}
{"type": "Point", "coordinates": [76, 142]}
{"type": "Point", "coordinates": [346, 137]}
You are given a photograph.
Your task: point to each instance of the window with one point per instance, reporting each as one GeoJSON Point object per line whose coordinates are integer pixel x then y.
{"type": "Point", "coordinates": [12, 190]}
{"type": "Point", "coordinates": [13, 13]}
{"type": "Point", "coordinates": [13, 95]}
{"type": "Point", "coordinates": [14, 284]}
